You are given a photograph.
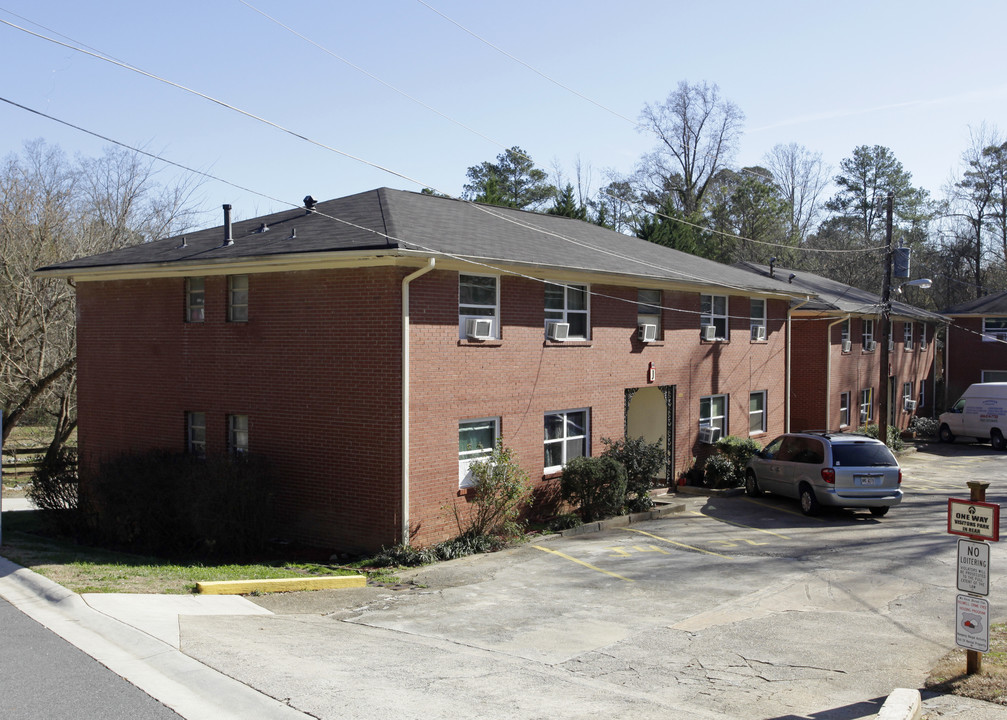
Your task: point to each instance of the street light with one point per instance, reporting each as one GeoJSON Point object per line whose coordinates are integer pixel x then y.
{"type": "Point", "coordinates": [923, 283]}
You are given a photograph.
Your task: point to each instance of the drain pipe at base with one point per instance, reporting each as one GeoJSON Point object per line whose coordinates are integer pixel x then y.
{"type": "Point", "coordinates": [405, 393]}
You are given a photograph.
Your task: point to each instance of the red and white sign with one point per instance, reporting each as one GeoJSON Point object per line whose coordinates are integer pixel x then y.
{"type": "Point", "coordinates": [972, 627]}
{"type": "Point", "coordinates": [978, 520]}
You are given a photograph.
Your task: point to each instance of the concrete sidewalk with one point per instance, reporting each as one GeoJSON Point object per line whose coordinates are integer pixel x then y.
{"type": "Point", "coordinates": [133, 637]}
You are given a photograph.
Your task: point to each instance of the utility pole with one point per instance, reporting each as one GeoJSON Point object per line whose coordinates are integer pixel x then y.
{"type": "Point", "coordinates": [885, 328]}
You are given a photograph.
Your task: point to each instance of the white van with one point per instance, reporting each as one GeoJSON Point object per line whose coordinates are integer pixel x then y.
{"type": "Point", "coordinates": [981, 413]}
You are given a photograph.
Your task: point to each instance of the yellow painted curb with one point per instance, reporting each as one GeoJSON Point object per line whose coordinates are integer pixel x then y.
{"type": "Point", "coordinates": [244, 587]}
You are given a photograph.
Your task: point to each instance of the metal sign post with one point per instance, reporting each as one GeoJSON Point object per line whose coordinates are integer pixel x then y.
{"type": "Point", "coordinates": [979, 521]}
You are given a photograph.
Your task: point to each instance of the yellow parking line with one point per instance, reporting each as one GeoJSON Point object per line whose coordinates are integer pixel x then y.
{"type": "Point", "coordinates": [690, 547]}
{"type": "Point", "coordinates": [746, 527]}
{"type": "Point", "coordinates": [581, 562]}
{"type": "Point", "coordinates": [784, 510]}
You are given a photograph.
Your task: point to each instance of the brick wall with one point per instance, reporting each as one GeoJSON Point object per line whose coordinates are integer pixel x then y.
{"type": "Point", "coordinates": [969, 355]}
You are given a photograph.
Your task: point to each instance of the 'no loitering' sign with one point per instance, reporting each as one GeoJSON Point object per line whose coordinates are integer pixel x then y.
{"type": "Point", "coordinates": [974, 519]}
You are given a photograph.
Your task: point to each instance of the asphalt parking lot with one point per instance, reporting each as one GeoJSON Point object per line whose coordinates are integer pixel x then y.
{"type": "Point", "coordinates": [734, 608]}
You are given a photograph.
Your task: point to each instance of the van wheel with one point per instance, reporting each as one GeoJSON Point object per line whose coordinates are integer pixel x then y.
{"type": "Point", "coordinates": [879, 511]}
{"type": "Point", "coordinates": [752, 488]}
{"type": "Point", "coordinates": [946, 434]}
{"type": "Point", "coordinates": [997, 440]}
{"type": "Point", "coordinates": [809, 503]}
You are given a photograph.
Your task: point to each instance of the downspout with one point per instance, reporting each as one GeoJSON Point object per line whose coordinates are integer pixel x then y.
{"type": "Point", "coordinates": [790, 341]}
{"type": "Point", "coordinates": [405, 393]}
{"type": "Point", "coordinates": [828, 370]}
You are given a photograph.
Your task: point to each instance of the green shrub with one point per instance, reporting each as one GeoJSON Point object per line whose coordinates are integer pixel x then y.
{"type": "Point", "coordinates": [180, 505]}
{"type": "Point", "coordinates": [565, 522]}
{"type": "Point", "coordinates": [596, 486]}
{"type": "Point", "coordinates": [719, 472]}
{"type": "Point", "coordinates": [894, 440]}
{"type": "Point", "coordinates": [54, 490]}
{"type": "Point", "coordinates": [642, 461]}
{"type": "Point", "coordinates": [502, 491]}
{"type": "Point", "coordinates": [924, 426]}
{"type": "Point", "coordinates": [739, 451]}
{"type": "Point", "coordinates": [402, 556]}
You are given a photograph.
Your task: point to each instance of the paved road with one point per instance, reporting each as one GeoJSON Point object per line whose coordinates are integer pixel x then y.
{"type": "Point", "coordinates": [735, 608]}
{"type": "Point", "coordinates": [45, 677]}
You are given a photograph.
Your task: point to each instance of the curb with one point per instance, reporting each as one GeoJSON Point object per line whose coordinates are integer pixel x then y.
{"type": "Point", "coordinates": [624, 520]}
{"type": "Point", "coordinates": [902, 704]}
{"type": "Point", "coordinates": [244, 587]}
{"type": "Point", "coordinates": [177, 681]}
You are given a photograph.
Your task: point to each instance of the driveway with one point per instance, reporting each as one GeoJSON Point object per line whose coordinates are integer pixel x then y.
{"type": "Point", "coordinates": [735, 608]}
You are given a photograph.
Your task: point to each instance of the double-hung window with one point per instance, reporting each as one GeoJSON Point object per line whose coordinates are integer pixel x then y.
{"type": "Point", "coordinates": [713, 311]}
{"type": "Point", "coordinates": [757, 313]}
{"type": "Point", "coordinates": [237, 434]}
{"type": "Point", "coordinates": [476, 441]}
{"type": "Point", "coordinates": [195, 299]}
{"type": "Point", "coordinates": [866, 405]}
{"type": "Point", "coordinates": [648, 309]}
{"type": "Point", "coordinates": [713, 412]}
{"type": "Point", "coordinates": [237, 300]}
{"type": "Point", "coordinates": [923, 336]}
{"type": "Point", "coordinates": [567, 304]}
{"type": "Point", "coordinates": [923, 391]}
{"type": "Point", "coordinates": [844, 332]}
{"type": "Point", "coordinates": [993, 376]}
{"type": "Point", "coordinates": [994, 328]}
{"type": "Point", "coordinates": [907, 335]}
{"type": "Point", "coordinates": [478, 300]}
{"type": "Point", "coordinates": [566, 437]}
{"type": "Point", "coordinates": [868, 338]}
{"type": "Point", "coordinates": [844, 409]}
{"type": "Point", "coordinates": [757, 413]}
{"type": "Point", "coordinates": [195, 433]}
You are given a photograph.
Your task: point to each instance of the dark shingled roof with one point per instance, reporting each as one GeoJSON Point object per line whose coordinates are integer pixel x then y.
{"type": "Point", "coordinates": [995, 304]}
{"type": "Point", "coordinates": [833, 297]}
{"type": "Point", "coordinates": [388, 222]}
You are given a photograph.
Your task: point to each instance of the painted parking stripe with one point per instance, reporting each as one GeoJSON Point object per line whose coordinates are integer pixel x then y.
{"type": "Point", "coordinates": [581, 562]}
{"type": "Point", "coordinates": [783, 510]}
{"type": "Point", "coordinates": [746, 527]}
{"type": "Point", "coordinates": [673, 542]}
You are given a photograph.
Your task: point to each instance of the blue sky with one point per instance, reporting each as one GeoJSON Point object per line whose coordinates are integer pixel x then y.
{"type": "Point", "coordinates": [829, 76]}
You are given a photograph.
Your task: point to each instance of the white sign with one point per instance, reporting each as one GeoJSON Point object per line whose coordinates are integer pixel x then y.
{"type": "Point", "coordinates": [974, 567]}
{"type": "Point", "coordinates": [972, 628]}
{"type": "Point", "coordinates": [979, 520]}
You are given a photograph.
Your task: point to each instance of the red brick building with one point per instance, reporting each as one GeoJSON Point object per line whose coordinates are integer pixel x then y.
{"type": "Point", "coordinates": [374, 345]}
{"type": "Point", "coordinates": [977, 343]}
{"type": "Point", "coordinates": [836, 355]}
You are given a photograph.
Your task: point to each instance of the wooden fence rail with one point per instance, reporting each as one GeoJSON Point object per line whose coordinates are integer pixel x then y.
{"type": "Point", "coordinates": [19, 461]}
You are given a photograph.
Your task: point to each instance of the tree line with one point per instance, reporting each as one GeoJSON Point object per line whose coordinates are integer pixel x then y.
{"type": "Point", "coordinates": [686, 194]}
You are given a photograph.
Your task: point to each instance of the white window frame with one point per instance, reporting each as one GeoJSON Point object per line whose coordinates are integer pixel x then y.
{"type": "Point", "coordinates": [710, 314]}
{"type": "Point", "coordinates": [907, 336]}
{"type": "Point", "coordinates": [844, 409]}
{"type": "Point", "coordinates": [237, 434]}
{"type": "Point", "coordinates": [760, 413]}
{"type": "Point", "coordinates": [237, 298]}
{"type": "Point", "coordinates": [993, 326]}
{"type": "Point", "coordinates": [563, 440]}
{"type": "Point", "coordinates": [568, 313]}
{"type": "Point", "coordinates": [195, 433]}
{"type": "Point", "coordinates": [923, 393]}
{"type": "Point", "coordinates": [648, 309]}
{"type": "Point", "coordinates": [866, 405]}
{"type": "Point", "coordinates": [757, 320]}
{"type": "Point", "coordinates": [923, 336]}
{"type": "Point", "coordinates": [868, 332]}
{"type": "Point", "coordinates": [471, 455]}
{"type": "Point", "coordinates": [195, 299]}
{"type": "Point", "coordinates": [907, 393]}
{"type": "Point", "coordinates": [994, 376]}
{"type": "Point", "coordinates": [707, 418]}
{"type": "Point", "coordinates": [473, 310]}
{"type": "Point", "coordinates": [844, 331]}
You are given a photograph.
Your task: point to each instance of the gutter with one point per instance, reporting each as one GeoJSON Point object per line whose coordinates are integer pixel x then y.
{"type": "Point", "coordinates": [828, 370]}
{"type": "Point", "coordinates": [790, 341]}
{"type": "Point", "coordinates": [431, 262]}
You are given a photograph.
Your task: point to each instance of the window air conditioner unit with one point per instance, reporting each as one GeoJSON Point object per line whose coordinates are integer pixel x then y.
{"type": "Point", "coordinates": [847, 345]}
{"type": "Point", "coordinates": [870, 345]}
{"type": "Point", "coordinates": [759, 333]}
{"type": "Point", "coordinates": [910, 405]}
{"type": "Point", "coordinates": [479, 328]}
{"type": "Point", "coordinates": [709, 435]}
{"type": "Point", "coordinates": [923, 344]}
{"type": "Point", "coordinates": [709, 332]}
{"type": "Point", "coordinates": [648, 333]}
{"type": "Point", "coordinates": [1002, 337]}
{"type": "Point", "coordinates": [891, 344]}
{"type": "Point", "coordinates": [558, 331]}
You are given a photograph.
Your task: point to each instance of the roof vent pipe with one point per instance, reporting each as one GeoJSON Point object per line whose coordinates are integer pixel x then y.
{"type": "Point", "coordinates": [228, 239]}
{"type": "Point", "coordinates": [772, 270]}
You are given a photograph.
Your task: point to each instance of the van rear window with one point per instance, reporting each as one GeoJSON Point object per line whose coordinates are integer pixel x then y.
{"type": "Point", "coordinates": [862, 455]}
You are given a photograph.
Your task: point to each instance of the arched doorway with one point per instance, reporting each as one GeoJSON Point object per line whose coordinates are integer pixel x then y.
{"type": "Point", "coordinates": [650, 414]}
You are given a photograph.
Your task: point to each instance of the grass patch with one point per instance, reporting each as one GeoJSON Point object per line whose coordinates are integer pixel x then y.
{"type": "Point", "coordinates": [948, 676]}
{"type": "Point", "coordinates": [81, 568]}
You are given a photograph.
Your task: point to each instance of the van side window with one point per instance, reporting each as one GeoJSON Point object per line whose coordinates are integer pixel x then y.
{"type": "Point", "coordinates": [959, 406]}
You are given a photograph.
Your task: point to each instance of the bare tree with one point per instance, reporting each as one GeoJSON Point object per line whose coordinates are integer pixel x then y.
{"type": "Point", "coordinates": [801, 177]}
{"type": "Point", "coordinates": [697, 134]}
{"type": "Point", "coordinates": [51, 210]}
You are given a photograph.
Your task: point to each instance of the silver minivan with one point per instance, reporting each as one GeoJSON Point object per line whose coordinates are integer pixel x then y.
{"type": "Point", "coordinates": [837, 470]}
